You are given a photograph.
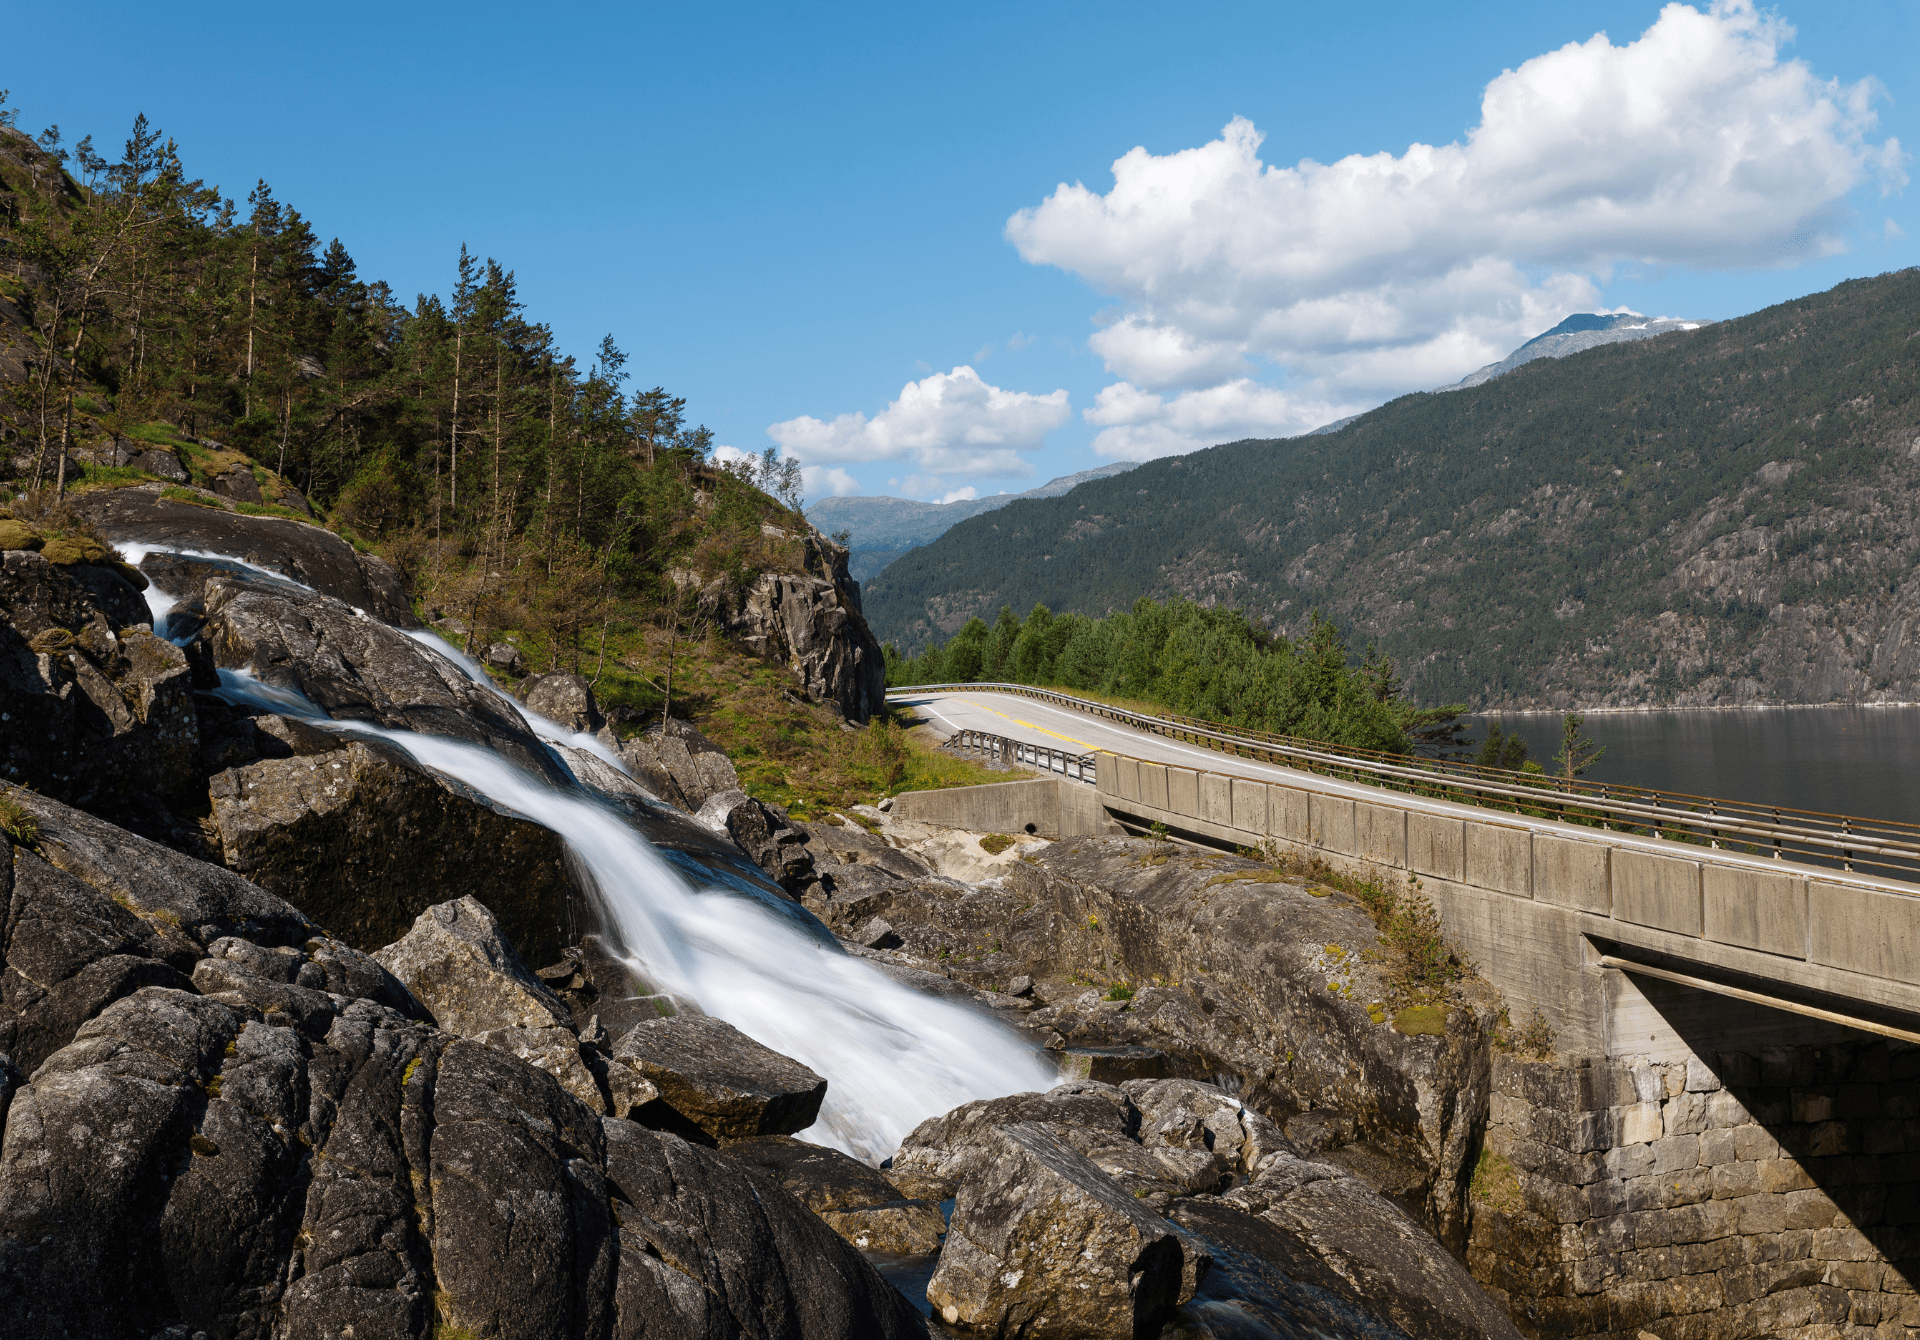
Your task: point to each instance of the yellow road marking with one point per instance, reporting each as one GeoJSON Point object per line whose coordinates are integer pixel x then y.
{"type": "Point", "coordinates": [1029, 725]}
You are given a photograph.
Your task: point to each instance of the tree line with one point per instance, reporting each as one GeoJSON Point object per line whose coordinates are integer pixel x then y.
{"type": "Point", "coordinates": [1201, 661]}
{"type": "Point", "coordinates": [452, 429]}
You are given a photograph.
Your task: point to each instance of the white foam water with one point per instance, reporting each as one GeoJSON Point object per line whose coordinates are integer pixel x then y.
{"type": "Point", "coordinates": [891, 1056]}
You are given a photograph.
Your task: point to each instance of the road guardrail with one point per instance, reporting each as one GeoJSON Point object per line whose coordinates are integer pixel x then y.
{"type": "Point", "coordinates": [1779, 831]}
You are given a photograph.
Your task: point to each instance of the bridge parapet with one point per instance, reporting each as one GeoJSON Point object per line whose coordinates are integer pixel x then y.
{"type": "Point", "coordinates": [1545, 907]}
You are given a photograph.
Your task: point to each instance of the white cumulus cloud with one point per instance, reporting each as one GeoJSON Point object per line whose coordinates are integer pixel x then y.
{"type": "Point", "coordinates": [950, 423]}
{"type": "Point", "coordinates": [1696, 144]}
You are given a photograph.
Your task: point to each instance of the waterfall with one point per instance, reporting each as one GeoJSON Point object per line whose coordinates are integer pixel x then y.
{"type": "Point", "coordinates": [891, 1056]}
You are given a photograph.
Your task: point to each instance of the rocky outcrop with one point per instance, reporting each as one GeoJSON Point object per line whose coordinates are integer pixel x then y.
{"type": "Point", "coordinates": [363, 839]}
{"type": "Point", "coordinates": [93, 706]}
{"type": "Point", "coordinates": [231, 1129]}
{"type": "Point", "coordinates": [308, 554]}
{"type": "Point", "coordinates": [810, 622]}
{"type": "Point", "coordinates": [719, 1081]}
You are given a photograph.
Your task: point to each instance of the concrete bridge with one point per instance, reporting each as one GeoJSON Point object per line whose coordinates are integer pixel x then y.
{"type": "Point", "coordinates": [1726, 1142]}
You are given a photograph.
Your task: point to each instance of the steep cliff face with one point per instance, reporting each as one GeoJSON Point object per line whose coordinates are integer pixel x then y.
{"type": "Point", "coordinates": [811, 622]}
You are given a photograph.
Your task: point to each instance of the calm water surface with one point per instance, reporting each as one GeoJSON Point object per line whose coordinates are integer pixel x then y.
{"type": "Point", "coordinates": [1844, 760]}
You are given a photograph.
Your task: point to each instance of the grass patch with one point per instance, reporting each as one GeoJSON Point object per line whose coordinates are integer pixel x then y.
{"type": "Point", "coordinates": [109, 477]}
{"type": "Point", "coordinates": [1422, 1021]}
{"type": "Point", "coordinates": [178, 494]}
{"type": "Point", "coordinates": [1496, 1184]}
{"type": "Point", "coordinates": [995, 843]}
{"type": "Point", "coordinates": [274, 509]}
{"type": "Point", "coordinates": [18, 822]}
{"type": "Point", "coordinates": [1119, 991]}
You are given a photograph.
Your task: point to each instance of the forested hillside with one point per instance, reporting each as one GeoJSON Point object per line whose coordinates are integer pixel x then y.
{"type": "Point", "coordinates": [1723, 515]}
{"type": "Point", "coordinates": [140, 306]}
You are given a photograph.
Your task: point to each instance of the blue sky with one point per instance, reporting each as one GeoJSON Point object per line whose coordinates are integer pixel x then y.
{"type": "Point", "coordinates": [795, 215]}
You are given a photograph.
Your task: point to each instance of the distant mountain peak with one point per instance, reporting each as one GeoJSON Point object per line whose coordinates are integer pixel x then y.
{"type": "Point", "coordinates": [1582, 330]}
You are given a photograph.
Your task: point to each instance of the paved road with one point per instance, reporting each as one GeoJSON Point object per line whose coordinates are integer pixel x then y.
{"type": "Point", "coordinates": [1034, 722]}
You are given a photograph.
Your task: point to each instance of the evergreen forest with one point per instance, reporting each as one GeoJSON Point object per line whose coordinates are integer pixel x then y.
{"type": "Point", "coordinates": [1206, 662]}
{"type": "Point", "coordinates": [511, 480]}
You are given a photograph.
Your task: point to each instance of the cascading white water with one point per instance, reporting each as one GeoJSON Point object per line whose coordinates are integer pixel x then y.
{"type": "Point", "coordinates": [891, 1055]}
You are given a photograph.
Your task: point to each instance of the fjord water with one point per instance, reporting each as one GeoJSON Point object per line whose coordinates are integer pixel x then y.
{"type": "Point", "coordinates": [891, 1056]}
{"type": "Point", "coordinates": [1837, 759]}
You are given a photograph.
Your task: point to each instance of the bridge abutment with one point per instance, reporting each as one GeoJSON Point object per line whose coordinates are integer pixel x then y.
{"type": "Point", "coordinates": [1772, 1192]}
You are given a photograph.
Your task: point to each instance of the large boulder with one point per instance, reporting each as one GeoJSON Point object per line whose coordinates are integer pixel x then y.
{"type": "Point", "coordinates": [679, 765]}
{"type": "Point", "coordinates": [1363, 1260]}
{"type": "Point", "coordinates": [457, 963]}
{"type": "Point", "coordinates": [856, 1201]}
{"type": "Point", "coordinates": [1096, 1120]}
{"type": "Point", "coordinates": [1044, 1245]}
{"type": "Point", "coordinates": [564, 699]}
{"type": "Point", "coordinates": [364, 840]}
{"type": "Point", "coordinates": [707, 1250]}
{"type": "Point", "coordinates": [93, 706]}
{"type": "Point", "coordinates": [308, 554]}
{"type": "Point", "coordinates": [246, 1138]}
{"type": "Point", "coordinates": [764, 833]}
{"type": "Point", "coordinates": [720, 1081]}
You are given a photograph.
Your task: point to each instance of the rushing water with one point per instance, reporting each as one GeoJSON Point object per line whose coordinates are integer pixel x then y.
{"type": "Point", "coordinates": [1840, 760]}
{"type": "Point", "coordinates": [891, 1055]}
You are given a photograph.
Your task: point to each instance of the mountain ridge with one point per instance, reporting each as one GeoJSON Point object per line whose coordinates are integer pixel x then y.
{"type": "Point", "coordinates": [883, 528]}
{"type": "Point", "coordinates": [1722, 515]}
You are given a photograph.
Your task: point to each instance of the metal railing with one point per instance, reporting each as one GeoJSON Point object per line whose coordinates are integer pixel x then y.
{"type": "Point", "coordinates": [1000, 749]}
{"type": "Point", "coordinates": [1781, 832]}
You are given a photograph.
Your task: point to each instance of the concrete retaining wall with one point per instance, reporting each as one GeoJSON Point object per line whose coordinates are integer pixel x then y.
{"type": "Point", "coordinates": [1049, 806]}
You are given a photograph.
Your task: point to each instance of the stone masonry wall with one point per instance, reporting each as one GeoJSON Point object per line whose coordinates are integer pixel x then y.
{"type": "Point", "coordinates": [1769, 1194]}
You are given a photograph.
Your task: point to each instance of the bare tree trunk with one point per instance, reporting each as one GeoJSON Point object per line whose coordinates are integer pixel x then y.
{"type": "Point", "coordinates": [253, 284]}
{"type": "Point", "coordinates": [453, 445]}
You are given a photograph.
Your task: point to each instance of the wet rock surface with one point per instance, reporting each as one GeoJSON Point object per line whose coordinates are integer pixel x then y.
{"type": "Point", "coordinates": [309, 554]}
{"type": "Point", "coordinates": [350, 666]}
